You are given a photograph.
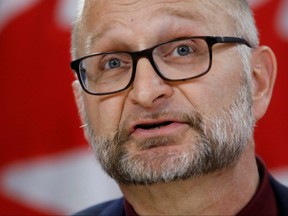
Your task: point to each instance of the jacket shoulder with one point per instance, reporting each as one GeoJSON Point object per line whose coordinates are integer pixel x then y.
{"type": "Point", "coordinates": [109, 208]}
{"type": "Point", "coordinates": [281, 195]}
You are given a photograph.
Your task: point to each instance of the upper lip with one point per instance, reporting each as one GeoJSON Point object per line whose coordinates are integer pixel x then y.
{"type": "Point", "coordinates": [143, 122]}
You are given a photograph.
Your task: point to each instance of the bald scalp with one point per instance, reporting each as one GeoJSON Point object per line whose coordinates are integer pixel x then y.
{"type": "Point", "coordinates": [241, 14]}
{"type": "Point", "coordinates": [238, 11]}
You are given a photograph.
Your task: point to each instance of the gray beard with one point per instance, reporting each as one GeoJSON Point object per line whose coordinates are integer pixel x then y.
{"type": "Point", "coordinates": [217, 142]}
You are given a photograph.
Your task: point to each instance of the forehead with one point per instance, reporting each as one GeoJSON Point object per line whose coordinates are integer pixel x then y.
{"type": "Point", "coordinates": [104, 18]}
{"type": "Point", "coordinates": [102, 7]}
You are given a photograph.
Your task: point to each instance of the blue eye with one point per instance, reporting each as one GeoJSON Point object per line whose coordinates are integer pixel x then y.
{"type": "Point", "coordinates": [183, 50]}
{"type": "Point", "coordinates": [114, 63]}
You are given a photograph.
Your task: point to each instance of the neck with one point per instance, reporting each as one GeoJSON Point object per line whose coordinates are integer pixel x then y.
{"type": "Point", "coordinates": [224, 192]}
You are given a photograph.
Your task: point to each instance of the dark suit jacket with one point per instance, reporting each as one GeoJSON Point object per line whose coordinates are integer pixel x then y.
{"type": "Point", "coordinates": [116, 207]}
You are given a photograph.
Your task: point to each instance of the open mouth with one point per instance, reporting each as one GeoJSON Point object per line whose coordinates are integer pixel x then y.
{"type": "Point", "coordinates": [153, 126]}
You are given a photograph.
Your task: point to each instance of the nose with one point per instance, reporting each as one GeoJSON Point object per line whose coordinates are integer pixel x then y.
{"type": "Point", "coordinates": [148, 87]}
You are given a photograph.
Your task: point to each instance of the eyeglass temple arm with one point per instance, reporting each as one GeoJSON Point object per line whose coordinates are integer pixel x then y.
{"type": "Point", "coordinates": [220, 39]}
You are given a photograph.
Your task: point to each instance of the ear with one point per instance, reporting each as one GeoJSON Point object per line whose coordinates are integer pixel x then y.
{"type": "Point", "coordinates": [80, 104]}
{"type": "Point", "coordinates": [264, 70]}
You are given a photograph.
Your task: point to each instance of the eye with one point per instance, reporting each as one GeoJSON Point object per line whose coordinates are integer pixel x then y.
{"type": "Point", "coordinates": [182, 50]}
{"type": "Point", "coordinates": [112, 64]}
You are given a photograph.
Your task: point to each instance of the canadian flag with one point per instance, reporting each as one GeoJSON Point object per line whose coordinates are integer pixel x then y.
{"type": "Point", "coordinates": [46, 166]}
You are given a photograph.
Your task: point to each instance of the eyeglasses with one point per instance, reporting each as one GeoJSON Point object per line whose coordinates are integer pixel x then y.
{"type": "Point", "coordinates": [177, 60]}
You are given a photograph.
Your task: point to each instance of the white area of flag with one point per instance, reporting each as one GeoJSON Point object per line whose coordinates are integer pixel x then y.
{"type": "Point", "coordinates": [65, 182]}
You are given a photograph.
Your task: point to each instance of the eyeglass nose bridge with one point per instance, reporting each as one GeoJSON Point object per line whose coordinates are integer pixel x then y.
{"type": "Point", "coordinates": [148, 54]}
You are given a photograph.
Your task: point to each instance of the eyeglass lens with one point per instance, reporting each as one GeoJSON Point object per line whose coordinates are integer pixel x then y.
{"type": "Point", "coordinates": [177, 60]}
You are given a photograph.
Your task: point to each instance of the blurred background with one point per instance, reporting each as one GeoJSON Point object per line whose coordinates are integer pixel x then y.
{"type": "Point", "coordinates": [46, 167]}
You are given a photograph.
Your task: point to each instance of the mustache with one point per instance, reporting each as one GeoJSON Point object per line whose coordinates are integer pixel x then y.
{"type": "Point", "coordinates": [193, 118]}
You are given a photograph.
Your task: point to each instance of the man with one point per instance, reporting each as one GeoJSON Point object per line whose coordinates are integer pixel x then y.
{"type": "Point", "coordinates": [170, 92]}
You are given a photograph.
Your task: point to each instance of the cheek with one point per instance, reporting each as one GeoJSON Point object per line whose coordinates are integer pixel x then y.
{"type": "Point", "coordinates": [103, 113]}
{"type": "Point", "coordinates": [215, 90]}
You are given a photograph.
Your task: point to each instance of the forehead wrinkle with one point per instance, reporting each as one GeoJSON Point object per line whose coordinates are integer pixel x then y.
{"type": "Point", "coordinates": [191, 15]}
{"type": "Point", "coordinates": [169, 10]}
{"type": "Point", "coordinates": [97, 35]}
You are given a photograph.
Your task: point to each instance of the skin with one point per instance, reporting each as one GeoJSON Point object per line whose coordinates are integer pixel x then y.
{"type": "Point", "coordinates": [136, 25]}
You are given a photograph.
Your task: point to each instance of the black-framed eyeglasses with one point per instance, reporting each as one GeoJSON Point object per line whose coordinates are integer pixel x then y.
{"type": "Point", "coordinates": [177, 60]}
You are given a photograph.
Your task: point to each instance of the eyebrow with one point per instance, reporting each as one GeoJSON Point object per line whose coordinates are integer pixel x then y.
{"type": "Point", "coordinates": [170, 11]}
